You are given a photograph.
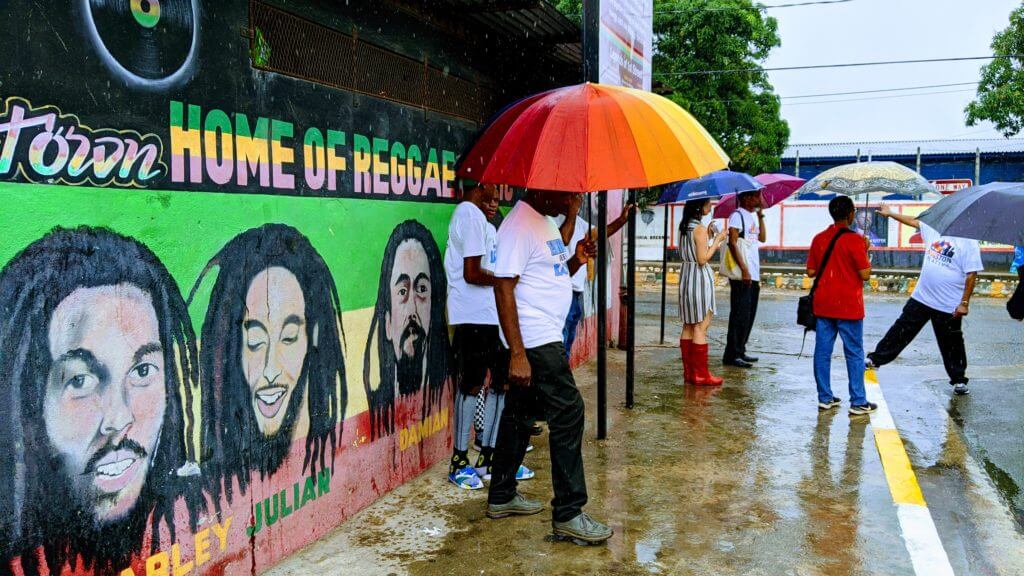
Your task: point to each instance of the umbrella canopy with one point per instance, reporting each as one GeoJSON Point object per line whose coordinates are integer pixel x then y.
{"type": "Point", "coordinates": [711, 186]}
{"type": "Point", "coordinates": [592, 137]}
{"type": "Point", "coordinates": [993, 212]}
{"type": "Point", "coordinates": [777, 187]}
{"type": "Point", "coordinates": [868, 178]}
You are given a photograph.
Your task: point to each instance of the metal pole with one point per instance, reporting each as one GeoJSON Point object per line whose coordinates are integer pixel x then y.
{"type": "Point", "coordinates": [591, 25]}
{"type": "Point", "coordinates": [591, 73]}
{"type": "Point", "coordinates": [796, 169]}
{"type": "Point", "coordinates": [977, 167]}
{"type": "Point", "coordinates": [631, 307]}
{"type": "Point", "coordinates": [918, 159]}
{"type": "Point", "coordinates": [664, 270]}
{"type": "Point", "coordinates": [602, 314]}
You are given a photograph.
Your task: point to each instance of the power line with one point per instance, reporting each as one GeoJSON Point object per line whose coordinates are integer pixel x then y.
{"type": "Point", "coordinates": [798, 4]}
{"type": "Point", "coordinates": [759, 8]}
{"type": "Point", "coordinates": [890, 97]}
{"type": "Point", "coordinates": [844, 65]}
{"type": "Point", "coordinates": [880, 90]}
{"type": "Point", "coordinates": [876, 91]}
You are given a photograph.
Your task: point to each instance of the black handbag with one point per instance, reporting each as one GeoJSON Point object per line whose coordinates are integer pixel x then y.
{"type": "Point", "coordinates": [805, 307]}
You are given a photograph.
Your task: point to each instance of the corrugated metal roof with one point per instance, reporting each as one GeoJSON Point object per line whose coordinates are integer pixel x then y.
{"type": "Point", "coordinates": [536, 21]}
{"type": "Point", "coordinates": [905, 148]}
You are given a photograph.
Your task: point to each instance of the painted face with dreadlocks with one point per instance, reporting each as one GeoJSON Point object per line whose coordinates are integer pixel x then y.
{"type": "Point", "coordinates": [275, 345]}
{"type": "Point", "coordinates": [408, 320]}
{"type": "Point", "coordinates": [105, 395]}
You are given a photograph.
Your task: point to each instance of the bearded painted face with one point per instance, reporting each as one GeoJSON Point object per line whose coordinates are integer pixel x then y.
{"type": "Point", "coordinates": [407, 323]}
{"type": "Point", "coordinates": [106, 395]}
{"type": "Point", "coordinates": [275, 345]}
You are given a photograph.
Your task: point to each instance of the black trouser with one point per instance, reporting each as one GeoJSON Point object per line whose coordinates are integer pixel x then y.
{"type": "Point", "coordinates": [475, 348]}
{"type": "Point", "coordinates": [554, 391]}
{"type": "Point", "coordinates": [742, 311]}
{"type": "Point", "coordinates": [947, 332]}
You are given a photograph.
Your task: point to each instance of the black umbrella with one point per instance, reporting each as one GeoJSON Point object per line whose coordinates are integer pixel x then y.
{"type": "Point", "coordinates": [993, 212]}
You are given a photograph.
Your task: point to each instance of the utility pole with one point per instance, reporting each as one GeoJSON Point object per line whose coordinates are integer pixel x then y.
{"type": "Point", "coordinates": [591, 73]}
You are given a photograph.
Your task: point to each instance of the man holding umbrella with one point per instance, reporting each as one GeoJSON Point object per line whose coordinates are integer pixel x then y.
{"type": "Point", "coordinates": [942, 296]}
{"type": "Point", "coordinates": [747, 222]}
{"type": "Point", "coordinates": [533, 292]}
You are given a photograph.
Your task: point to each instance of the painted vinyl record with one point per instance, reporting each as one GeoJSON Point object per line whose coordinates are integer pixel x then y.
{"type": "Point", "coordinates": [151, 39]}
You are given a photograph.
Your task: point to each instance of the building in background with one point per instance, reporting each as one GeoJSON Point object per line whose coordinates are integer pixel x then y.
{"type": "Point", "coordinates": [950, 165]}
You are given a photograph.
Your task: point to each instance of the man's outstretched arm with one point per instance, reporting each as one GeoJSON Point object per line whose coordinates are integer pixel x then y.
{"type": "Point", "coordinates": [885, 210]}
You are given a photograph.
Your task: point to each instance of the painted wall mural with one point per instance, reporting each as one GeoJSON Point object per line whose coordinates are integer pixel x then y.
{"type": "Point", "coordinates": [408, 329]}
{"type": "Point", "coordinates": [272, 359]}
{"type": "Point", "coordinates": [44, 144]}
{"type": "Point", "coordinates": [96, 345]}
{"type": "Point", "coordinates": [223, 327]}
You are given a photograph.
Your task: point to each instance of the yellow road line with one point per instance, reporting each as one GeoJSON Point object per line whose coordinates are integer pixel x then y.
{"type": "Point", "coordinates": [902, 482]}
{"type": "Point", "coordinates": [916, 524]}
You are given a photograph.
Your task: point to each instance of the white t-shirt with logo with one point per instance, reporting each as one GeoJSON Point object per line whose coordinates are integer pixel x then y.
{"type": "Point", "coordinates": [530, 246]}
{"type": "Point", "coordinates": [737, 220]}
{"type": "Point", "coordinates": [947, 262]}
{"type": "Point", "coordinates": [469, 235]}
{"type": "Point", "coordinates": [579, 279]}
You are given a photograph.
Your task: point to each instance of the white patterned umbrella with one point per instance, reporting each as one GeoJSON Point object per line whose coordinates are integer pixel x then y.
{"type": "Point", "coordinates": [868, 178]}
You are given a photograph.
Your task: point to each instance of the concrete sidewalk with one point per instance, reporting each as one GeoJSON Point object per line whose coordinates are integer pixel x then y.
{"type": "Point", "coordinates": [744, 479]}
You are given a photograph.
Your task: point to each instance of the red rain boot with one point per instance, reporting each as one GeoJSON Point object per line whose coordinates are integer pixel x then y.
{"type": "Point", "coordinates": [687, 347]}
{"type": "Point", "coordinates": [699, 360]}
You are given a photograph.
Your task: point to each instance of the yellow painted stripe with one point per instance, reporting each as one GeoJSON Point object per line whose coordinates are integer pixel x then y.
{"type": "Point", "coordinates": [898, 472]}
{"type": "Point", "coordinates": [665, 131]}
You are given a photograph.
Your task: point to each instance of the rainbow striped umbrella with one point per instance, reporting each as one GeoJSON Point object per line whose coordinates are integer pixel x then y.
{"type": "Point", "coordinates": [592, 137]}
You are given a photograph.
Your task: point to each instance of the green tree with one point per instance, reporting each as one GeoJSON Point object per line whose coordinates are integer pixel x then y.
{"type": "Point", "coordinates": [571, 8]}
{"type": "Point", "coordinates": [740, 109]}
{"type": "Point", "coordinates": [1000, 97]}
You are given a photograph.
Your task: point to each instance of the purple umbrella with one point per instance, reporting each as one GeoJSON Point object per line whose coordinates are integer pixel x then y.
{"type": "Point", "coordinates": [777, 187]}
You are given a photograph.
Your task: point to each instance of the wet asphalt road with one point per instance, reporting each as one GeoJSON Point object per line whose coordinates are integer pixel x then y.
{"type": "Point", "coordinates": [744, 479]}
{"type": "Point", "coordinates": [956, 443]}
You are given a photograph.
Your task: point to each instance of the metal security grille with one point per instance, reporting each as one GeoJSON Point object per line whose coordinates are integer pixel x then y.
{"type": "Point", "coordinates": [294, 46]}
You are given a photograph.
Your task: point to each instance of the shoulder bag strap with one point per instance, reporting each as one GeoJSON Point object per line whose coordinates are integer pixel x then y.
{"type": "Point", "coordinates": [827, 257]}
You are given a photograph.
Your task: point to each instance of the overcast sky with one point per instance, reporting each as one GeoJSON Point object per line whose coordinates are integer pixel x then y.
{"type": "Point", "coordinates": [873, 30]}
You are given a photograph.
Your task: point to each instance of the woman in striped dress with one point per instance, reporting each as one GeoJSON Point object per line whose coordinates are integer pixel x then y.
{"type": "Point", "coordinates": [697, 290]}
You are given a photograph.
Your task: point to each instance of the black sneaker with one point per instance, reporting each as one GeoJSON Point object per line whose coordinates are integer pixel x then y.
{"type": "Point", "coordinates": [960, 389]}
{"type": "Point", "coordinates": [747, 358]}
{"type": "Point", "coordinates": [863, 409]}
{"type": "Point", "coordinates": [536, 430]}
{"type": "Point", "coordinates": [738, 362]}
{"type": "Point", "coordinates": [823, 406]}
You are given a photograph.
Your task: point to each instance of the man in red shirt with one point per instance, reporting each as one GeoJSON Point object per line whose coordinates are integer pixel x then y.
{"type": "Point", "coordinates": [839, 304]}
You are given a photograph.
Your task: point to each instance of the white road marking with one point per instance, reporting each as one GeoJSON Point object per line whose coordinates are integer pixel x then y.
{"type": "Point", "coordinates": [916, 524]}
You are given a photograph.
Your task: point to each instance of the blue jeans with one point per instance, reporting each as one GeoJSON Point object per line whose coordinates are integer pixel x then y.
{"type": "Point", "coordinates": [852, 333]}
{"type": "Point", "coordinates": [572, 322]}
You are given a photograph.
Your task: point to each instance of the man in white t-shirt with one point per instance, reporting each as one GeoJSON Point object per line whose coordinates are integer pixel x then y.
{"type": "Point", "coordinates": [942, 296]}
{"type": "Point", "coordinates": [747, 222]}
{"type": "Point", "coordinates": [468, 263]}
{"type": "Point", "coordinates": [574, 230]}
{"type": "Point", "coordinates": [533, 291]}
